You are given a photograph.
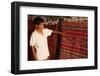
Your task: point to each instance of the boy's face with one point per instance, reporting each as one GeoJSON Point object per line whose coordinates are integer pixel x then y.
{"type": "Point", "coordinates": [41, 26]}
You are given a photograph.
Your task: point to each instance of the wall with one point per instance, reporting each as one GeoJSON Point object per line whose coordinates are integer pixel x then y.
{"type": "Point", "coordinates": [5, 39]}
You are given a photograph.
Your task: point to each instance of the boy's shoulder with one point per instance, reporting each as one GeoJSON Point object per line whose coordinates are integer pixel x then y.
{"type": "Point", "coordinates": [45, 29]}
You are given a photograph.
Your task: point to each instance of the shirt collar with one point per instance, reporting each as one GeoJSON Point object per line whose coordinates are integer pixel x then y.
{"type": "Point", "coordinates": [38, 32]}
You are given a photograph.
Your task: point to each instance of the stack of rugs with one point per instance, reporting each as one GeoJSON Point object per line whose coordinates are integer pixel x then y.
{"type": "Point", "coordinates": [75, 44]}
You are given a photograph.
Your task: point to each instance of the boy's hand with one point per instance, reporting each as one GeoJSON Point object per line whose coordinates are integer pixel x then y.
{"type": "Point", "coordinates": [35, 58]}
{"type": "Point", "coordinates": [63, 34]}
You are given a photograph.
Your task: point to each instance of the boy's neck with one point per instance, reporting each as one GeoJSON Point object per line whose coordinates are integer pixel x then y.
{"type": "Point", "coordinates": [39, 31]}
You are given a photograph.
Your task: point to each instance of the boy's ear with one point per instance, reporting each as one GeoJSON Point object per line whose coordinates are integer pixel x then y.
{"type": "Point", "coordinates": [36, 25]}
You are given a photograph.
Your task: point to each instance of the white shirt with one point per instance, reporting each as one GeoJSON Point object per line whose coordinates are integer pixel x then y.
{"type": "Point", "coordinates": [40, 42]}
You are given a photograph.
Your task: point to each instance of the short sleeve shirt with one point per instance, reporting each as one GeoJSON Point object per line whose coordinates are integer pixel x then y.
{"type": "Point", "coordinates": [40, 42]}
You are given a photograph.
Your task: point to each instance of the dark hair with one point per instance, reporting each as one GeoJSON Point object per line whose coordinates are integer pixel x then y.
{"type": "Point", "coordinates": [38, 20]}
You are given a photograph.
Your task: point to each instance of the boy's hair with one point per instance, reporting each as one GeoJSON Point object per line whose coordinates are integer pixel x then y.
{"type": "Point", "coordinates": [38, 20]}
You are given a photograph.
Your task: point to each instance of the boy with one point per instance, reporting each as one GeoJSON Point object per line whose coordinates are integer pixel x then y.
{"type": "Point", "coordinates": [38, 40]}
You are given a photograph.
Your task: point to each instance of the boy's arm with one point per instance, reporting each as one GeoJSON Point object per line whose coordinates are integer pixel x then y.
{"type": "Point", "coordinates": [34, 53]}
{"type": "Point", "coordinates": [60, 33]}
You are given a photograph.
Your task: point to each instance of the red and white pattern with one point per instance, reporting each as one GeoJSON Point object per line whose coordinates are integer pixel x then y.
{"type": "Point", "coordinates": [75, 44]}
